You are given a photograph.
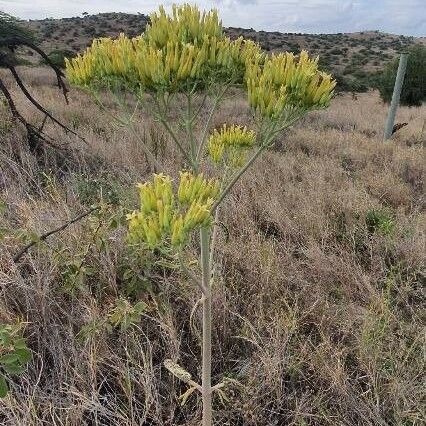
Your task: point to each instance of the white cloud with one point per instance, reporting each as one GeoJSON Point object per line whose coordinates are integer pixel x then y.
{"type": "Point", "coordinates": [275, 15]}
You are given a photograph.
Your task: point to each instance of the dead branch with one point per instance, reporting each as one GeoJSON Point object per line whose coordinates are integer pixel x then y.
{"type": "Point", "coordinates": [46, 235]}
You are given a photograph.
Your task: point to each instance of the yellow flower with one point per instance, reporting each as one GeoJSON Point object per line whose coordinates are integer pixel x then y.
{"type": "Point", "coordinates": [175, 50]}
{"type": "Point", "coordinates": [283, 82]}
{"type": "Point", "coordinates": [186, 25]}
{"type": "Point", "coordinates": [230, 144]}
{"type": "Point", "coordinates": [196, 188]}
{"type": "Point", "coordinates": [161, 220]}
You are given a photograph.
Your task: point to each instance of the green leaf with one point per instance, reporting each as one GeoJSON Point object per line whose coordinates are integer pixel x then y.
{"type": "Point", "coordinates": [13, 368]}
{"type": "Point", "coordinates": [24, 355]}
{"type": "Point", "coordinates": [20, 343]}
{"type": "Point", "coordinates": [9, 359]}
{"type": "Point", "coordinates": [3, 387]}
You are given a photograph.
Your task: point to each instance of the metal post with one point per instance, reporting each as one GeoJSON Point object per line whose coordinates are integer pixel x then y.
{"type": "Point", "coordinates": [396, 95]}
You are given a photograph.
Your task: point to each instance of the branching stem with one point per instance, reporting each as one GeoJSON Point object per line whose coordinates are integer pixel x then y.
{"type": "Point", "coordinates": [203, 138]}
{"type": "Point", "coordinates": [163, 120]}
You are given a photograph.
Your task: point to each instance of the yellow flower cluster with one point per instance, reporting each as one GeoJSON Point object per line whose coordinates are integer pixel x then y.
{"type": "Point", "coordinates": [187, 24]}
{"type": "Point", "coordinates": [283, 81]}
{"type": "Point", "coordinates": [162, 218]}
{"type": "Point", "coordinates": [104, 59]}
{"type": "Point", "coordinates": [196, 188]}
{"type": "Point", "coordinates": [185, 47]}
{"type": "Point", "coordinates": [230, 144]}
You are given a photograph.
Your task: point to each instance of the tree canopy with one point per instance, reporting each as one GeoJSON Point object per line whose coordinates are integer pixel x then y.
{"type": "Point", "coordinates": [414, 88]}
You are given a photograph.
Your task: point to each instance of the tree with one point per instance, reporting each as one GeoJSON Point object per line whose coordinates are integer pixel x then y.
{"type": "Point", "coordinates": [414, 88]}
{"type": "Point", "coordinates": [12, 36]}
{"type": "Point", "coordinates": [185, 59]}
{"type": "Point", "coordinates": [58, 56]}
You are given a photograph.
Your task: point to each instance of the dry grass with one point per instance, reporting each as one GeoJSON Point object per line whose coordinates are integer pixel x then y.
{"type": "Point", "coordinates": [319, 307]}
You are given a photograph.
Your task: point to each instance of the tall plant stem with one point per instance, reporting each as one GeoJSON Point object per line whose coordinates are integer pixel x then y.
{"type": "Point", "coordinates": [206, 382]}
{"type": "Point", "coordinates": [189, 130]}
{"type": "Point", "coordinates": [267, 141]}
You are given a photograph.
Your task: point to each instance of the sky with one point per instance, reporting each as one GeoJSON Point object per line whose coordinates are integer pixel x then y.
{"type": "Point", "coordinates": [406, 17]}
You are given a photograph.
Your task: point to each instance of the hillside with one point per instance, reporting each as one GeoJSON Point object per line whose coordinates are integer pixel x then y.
{"type": "Point", "coordinates": [353, 56]}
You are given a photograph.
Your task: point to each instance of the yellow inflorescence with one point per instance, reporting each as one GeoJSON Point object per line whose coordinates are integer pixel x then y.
{"type": "Point", "coordinates": [230, 144]}
{"type": "Point", "coordinates": [286, 82]}
{"type": "Point", "coordinates": [187, 46]}
{"type": "Point", "coordinates": [186, 24]}
{"type": "Point", "coordinates": [163, 217]}
{"type": "Point", "coordinates": [105, 58]}
{"type": "Point", "coordinates": [196, 188]}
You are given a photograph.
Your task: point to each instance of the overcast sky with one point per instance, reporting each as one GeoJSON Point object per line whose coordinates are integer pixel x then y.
{"type": "Point", "coordinates": [313, 16]}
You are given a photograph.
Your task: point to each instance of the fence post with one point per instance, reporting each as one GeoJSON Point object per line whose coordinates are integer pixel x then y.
{"type": "Point", "coordinates": [396, 95]}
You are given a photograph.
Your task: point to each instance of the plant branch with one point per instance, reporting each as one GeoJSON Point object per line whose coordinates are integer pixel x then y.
{"type": "Point", "coordinates": [190, 275]}
{"type": "Point", "coordinates": [238, 175]}
{"type": "Point", "coordinates": [197, 112]}
{"type": "Point", "coordinates": [59, 74]}
{"type": "Point", "coordinates": [156, 165]}
{"type": "Point", "coordinates": [12, 106]}
{"type": "Point", "coordinates": [163, 121]}
{"type": "Point", "coordinates": [189, 130]}
{"type": "Point", "coordinates": [266, 143]}
{"type": "Point", "coordinates": [208, 122]}
{"type": "Point", "coordinates": [44, 236]}
{"type": "Point", "coordinates": [129, 123]}
{"type": "Point", "coordinates": [32, 130]}
{"type": "Point", "coordinates": [37, 105]}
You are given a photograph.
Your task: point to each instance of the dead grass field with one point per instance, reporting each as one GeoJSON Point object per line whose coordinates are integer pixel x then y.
{"type": "Point", "coordinates": [320, 303]}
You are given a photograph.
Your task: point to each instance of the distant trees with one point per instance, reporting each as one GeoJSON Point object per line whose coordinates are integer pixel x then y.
{"type": "Point", "coordinates": [414, 88]}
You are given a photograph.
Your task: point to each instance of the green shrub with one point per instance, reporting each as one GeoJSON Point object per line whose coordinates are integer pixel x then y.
{"type": "Point", "coordinates": [58, 56]}
{"type": "Point", "coordinates": [381, 221]}
{"type": "Point", "coordinates": [414, 88]}
{"type": "Point", "coordinates": [14, 354]}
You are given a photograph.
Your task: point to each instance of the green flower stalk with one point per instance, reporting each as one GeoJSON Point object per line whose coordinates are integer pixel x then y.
{"type": "Point", "coordinates": [187, 52]}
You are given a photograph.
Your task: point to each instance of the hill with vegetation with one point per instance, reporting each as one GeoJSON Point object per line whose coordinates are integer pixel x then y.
{"type": "Point", "coordinates": [355, 58]}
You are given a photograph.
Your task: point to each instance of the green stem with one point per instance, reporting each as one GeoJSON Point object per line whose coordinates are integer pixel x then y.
{"type": "Point", "coordinates": [266, 143]}
{"type": "Point", "coordinates": [151, 158]}
{"type": "Point", "coordinates": [238, 175]}
{"type": "Point", "coordinates": [189, 130]}
{"type": "Point", "coordinates": [130, 125]}
{"type": "Point", "coordinates": [208, 122]}
{"type": "Point", "coordinates": [197, 113]}
{"type": "Point", "coordinates": [161, 117]}
{"type": "Point", "coordinates": [206, 382]}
